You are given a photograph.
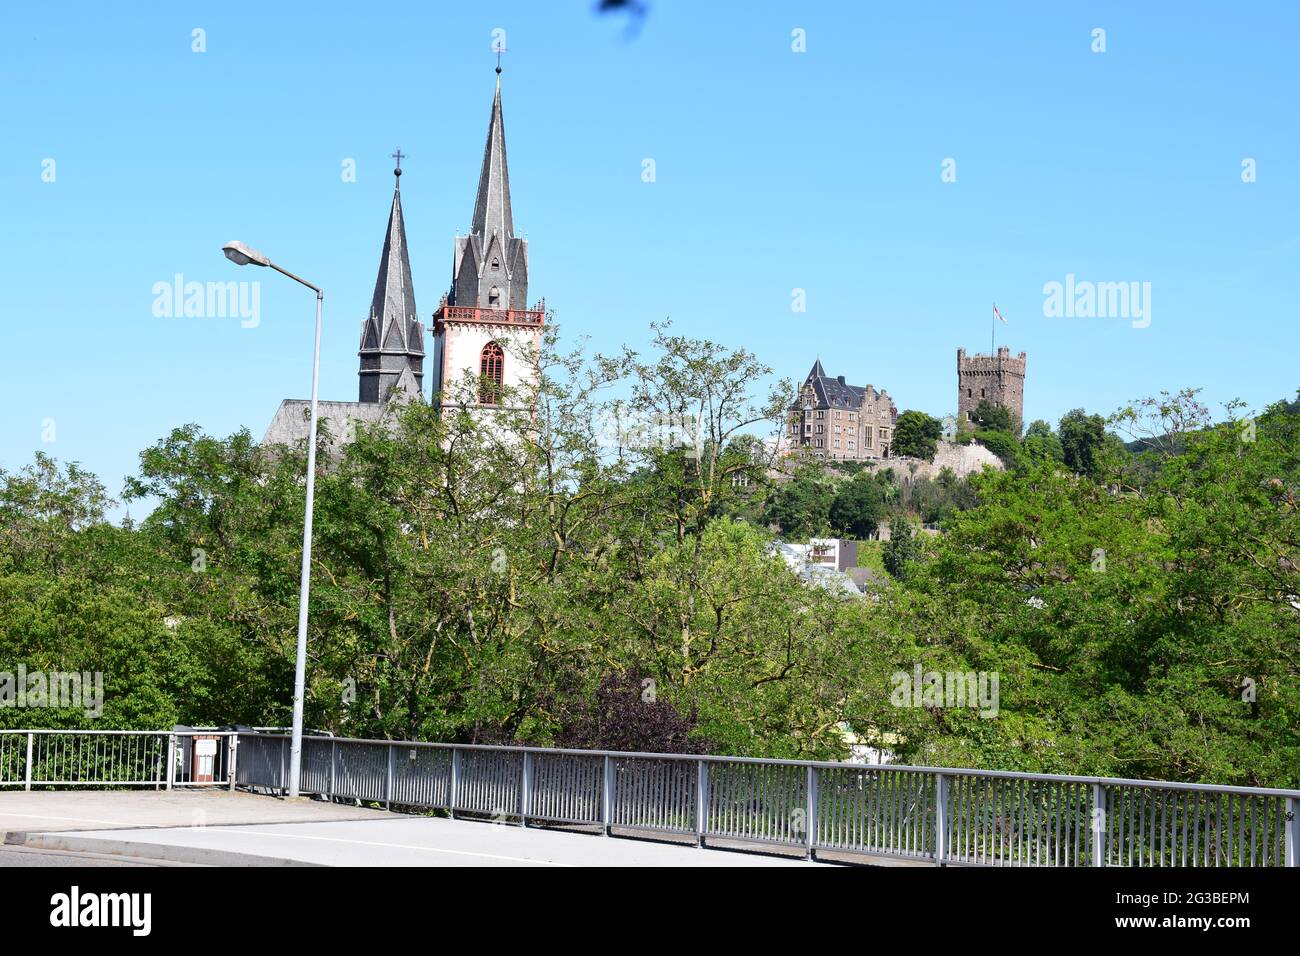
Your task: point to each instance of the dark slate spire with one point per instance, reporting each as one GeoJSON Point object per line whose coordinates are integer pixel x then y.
{"type": "Point", "coordinates": [490, 270]}
{"type": "Point", "coordinates": [492, 205]}
{"type": "Point", "coordinates": [817, 371]}
{"type": "Point", "coordinates": [392, 339]}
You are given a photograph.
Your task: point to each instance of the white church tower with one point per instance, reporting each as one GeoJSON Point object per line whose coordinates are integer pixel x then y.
{"type": "Point", "coordinates": [484, 325]}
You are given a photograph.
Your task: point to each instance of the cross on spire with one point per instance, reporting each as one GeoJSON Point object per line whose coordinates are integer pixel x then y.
{"type": "Point", "coordinates": [399, 156]}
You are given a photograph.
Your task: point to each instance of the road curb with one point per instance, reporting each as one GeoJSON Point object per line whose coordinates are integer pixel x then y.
{"type": "Point", "coordinates": [201, 856]}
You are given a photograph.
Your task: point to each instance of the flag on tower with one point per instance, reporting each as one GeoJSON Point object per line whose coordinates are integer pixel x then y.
{"type": "Point", "coordinates": [998, 315]}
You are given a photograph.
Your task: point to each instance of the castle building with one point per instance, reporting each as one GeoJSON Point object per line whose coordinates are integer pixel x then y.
{"type": "Point", "coordinates": [838, 421]}
{"type": "Point", "coordinates": [484, 331]}
{"type": "Point", "coordinates": [999, 379]}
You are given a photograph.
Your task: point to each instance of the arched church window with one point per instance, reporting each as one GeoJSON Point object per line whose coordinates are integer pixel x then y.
{"type": "Point", "coordinates": [494, 296]}
{"type": "Point", "coordinates": [491, 374]}
{"type": "Point", "coordinates": [496, 263]}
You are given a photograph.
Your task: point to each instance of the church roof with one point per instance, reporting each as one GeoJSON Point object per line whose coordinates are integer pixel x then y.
{"type": "Point", "coordinates": [394, 324]}
{"type": "Point", "coordinates": [491, 258]}
{"type": "Point", "coordinates": [492, 204]}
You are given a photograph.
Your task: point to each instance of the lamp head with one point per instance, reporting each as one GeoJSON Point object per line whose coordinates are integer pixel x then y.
{"type": "Point", "coordinates": [242, 255]}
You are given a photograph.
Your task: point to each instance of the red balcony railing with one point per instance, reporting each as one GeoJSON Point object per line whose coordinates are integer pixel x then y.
{"type": "Point", "coordinates": [535, 316]}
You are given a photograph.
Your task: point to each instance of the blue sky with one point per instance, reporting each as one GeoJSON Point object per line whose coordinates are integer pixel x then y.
{"type": "Point", "coordinates": [775, 170]}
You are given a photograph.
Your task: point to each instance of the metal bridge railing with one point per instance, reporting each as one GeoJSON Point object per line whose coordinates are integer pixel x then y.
{"type": "Point", "coordinates": [117, 758]}
{"type": "Point", "coordinates": [948, 816]}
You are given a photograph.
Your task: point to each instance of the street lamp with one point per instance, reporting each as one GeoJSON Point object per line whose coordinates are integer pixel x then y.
{"type": "Point", "coordinates": [242, 255]}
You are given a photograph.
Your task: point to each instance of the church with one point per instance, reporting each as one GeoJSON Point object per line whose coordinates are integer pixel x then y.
{"type": "Point", "coordinates": [483, 331]}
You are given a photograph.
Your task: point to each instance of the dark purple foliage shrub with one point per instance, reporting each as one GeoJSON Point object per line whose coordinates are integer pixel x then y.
{"type": "Point", "coordinates": [628, 713]}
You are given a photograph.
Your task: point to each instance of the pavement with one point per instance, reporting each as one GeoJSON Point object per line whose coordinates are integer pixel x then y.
{"type": "Point", "coordinates": [21, 856]}
{"type": "Point", "coordinates": [225, 828]}
{"type": "Point", "coordinates": [90, 808]}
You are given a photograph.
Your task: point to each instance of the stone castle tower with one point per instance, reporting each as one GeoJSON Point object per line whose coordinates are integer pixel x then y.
{"type": "Point", "coordinates": [998, 378]}
{"type": "Point", "coordinates": [484, 325]}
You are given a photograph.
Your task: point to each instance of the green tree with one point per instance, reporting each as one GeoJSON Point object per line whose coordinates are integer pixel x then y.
{"type": "Point", "coordinates": [1083, 438]}
{"type": "Point", "coordinates": [858, 506]}
{"type": "Point", "coordinates": [989, 416]}
{"type": "Point", "coordinates": [801, 507]}
{"type": "Point", "coordinates": [1041, 443]}
{"type": "Point", "coordinates": [1002, 444]}
{"type": "Point", "coordinates": [916, 435]}
{"type": "Point", "coordinates": [1135, 634]}
{"type": "Point", "coordinates": [902, 549]}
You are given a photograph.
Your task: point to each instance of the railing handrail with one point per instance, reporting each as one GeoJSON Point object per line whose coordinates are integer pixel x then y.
{"type": "Point", "coordinates": [823, 764]}
{"type": "Point", "coordinates": [188, 732]}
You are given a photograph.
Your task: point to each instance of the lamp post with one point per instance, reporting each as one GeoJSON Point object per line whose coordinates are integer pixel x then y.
{"type": "Point", "coordinates": [242, 255]}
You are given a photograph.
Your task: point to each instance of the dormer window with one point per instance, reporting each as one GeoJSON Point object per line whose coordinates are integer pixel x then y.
{"type": "Point", "coordinates": [494, 296]}
{"type": "Point", "coordinates": [496, 263]}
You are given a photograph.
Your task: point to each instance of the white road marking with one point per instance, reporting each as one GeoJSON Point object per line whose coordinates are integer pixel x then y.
{"type": "Point", "coordinates": [49, 816]}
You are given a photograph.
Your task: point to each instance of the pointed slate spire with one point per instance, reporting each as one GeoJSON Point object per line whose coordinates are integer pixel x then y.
{"type": "Point", "coordinates": [492, 205]}
{"type": "Point", "coordinates": [392, 338]}
{"type": "Point", "coordinates": [817, 371]}
{"type": "Point", "coordinates": [490, 268]}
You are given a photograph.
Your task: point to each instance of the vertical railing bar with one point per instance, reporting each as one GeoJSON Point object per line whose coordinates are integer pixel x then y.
{"type": "Point", "coordinates": [1292, 820]}
{"type": "Point", "coordinates": [1062, 832]}
{"type": "Point", "coordinates": [526, 789]}
{"type": "Point", "coordinates": [911, 804]}
{"type": "Point", "coordinates": [913, 795]}
{"type": "Point", "coordinates": [388, 778]}
{"type": "Point", "coordinates": [1186, 828]}
{"type": "Point", "coordinates": [453, 795]}
{"type": "Point", "coordinates": [1128, 812]}
{"type": "Point", "coordinates": [886, 813]}
{"type": "Point", "coordinates": [810, 802]}
{"type": "Point", "coordinates": [1098, 824]}
{"type": "Point", "coordinates": [1141, 796]}
{"type": "Point", "coordinates": [941, 819]}
{"type": "Point", "coordinates": [701, 801]}
{"type": "Point", "coordinates": [1254, 802]}
{"type": "Point", "coordinates": [873, 810]}
{"type": "Point", "coordinates": [922, 827]}
{"type": "Point", "coordinates": [1017, 822]}
{"type": "Point", "coordinates": [1218, 829]}
{"type": "Point", "coordinates": [1229, 855]}
{"type": "Point", "coordinates": [896, 811]}
{"type": "Point", "coordinates": [333, 773]}
{"type": "Point", "coordinates": [1241, 829]}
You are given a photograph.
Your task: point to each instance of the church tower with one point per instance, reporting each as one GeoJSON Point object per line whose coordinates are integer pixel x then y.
{"type": "Point", "coordinates": [484, 325]}
{"type": "Point", "coordinates": [392, 339]}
